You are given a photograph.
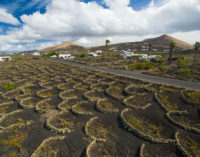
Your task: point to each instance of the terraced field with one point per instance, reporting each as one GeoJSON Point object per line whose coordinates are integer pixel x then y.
{"type": "Point", "coordinates": [51, 109]}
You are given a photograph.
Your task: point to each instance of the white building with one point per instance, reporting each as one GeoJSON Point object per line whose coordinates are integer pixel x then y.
{"type": "Point", "coordinates": [54, 56]}
{"type": "Point", "coordinates": [98, 51]}
{"type": "Point", "coordinates": [127, 54]}
{"type": "Point", "coordinates": [36, 53]}
{"type": "Point", "coordinates": [153, 56]}
{"type": "Point", "coordinates": [65, 56]}
{"type": "Point", "coordinates": [5, 58]}
{"type": "Point", "coordinates": [143, 56]}
{"type": "Point", "coordinates": [94, 54]}
{"type": "Point", "coordinates": [131, 54]}
{"type": "Point", "coordinates": [145, 48]}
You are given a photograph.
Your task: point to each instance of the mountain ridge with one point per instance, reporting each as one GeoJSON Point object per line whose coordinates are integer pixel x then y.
{"type": "Point", "coordinates": [64, 47]}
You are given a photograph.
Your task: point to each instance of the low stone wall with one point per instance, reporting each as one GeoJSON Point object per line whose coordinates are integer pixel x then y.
{"type": "Point", "coordinates": [88, 97]}
{"type": "Point", "coordinates": [180, 147]}
{"type": "Point", "coordinates": [91, 145]}
{"type": "Point", "coordinates": [186, 127]}
{"type": "Point", "coordinates": [125, 101]}
{"type": "Point", "coordinates": [55, 129]}
{"type": "Point", "coordinates": [142, 150]}
{"type": "Point", "coordinates": [43, 90]}
{"type": "Point", "coordinates": [40, 110]}
{"type": "Point", "coordinates": [141, 134]}
{"type": "Point", "coordinates": [87, 132]}
{"type": "Point", "coordinates": [44, 143]}
{"type": "Point", "coordinates": [23, 105]}
{"type": "Point", "coordinates": [99, 108]}
{"type": "Point", "coordinates": [27, 123]}
{"type": "Point", "coordinates": [74, 110]}
{"type": "Point", "coordinates": [188, 101]}
{"type": "Point", "coordinates": [61, 95]}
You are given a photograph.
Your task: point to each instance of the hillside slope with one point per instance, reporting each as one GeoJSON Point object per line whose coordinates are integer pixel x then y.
{"type": "Point", "coordinates": [69, 46]}
{"type": "Point", "coordinates": [165, 40]}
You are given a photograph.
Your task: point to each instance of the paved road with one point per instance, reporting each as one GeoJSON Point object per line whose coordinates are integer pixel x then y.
{"type": "Point", "coordinates": [136, 75]}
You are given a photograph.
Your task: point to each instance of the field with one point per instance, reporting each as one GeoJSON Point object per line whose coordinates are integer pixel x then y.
{"type": "Point", "coordinates": [51, 109]}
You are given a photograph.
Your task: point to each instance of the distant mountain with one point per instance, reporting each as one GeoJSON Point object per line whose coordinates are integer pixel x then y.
{"type": "Point", "coordinates": [27, 52]}
{"type": "Point", "coordinates": [165, 40]}
{"type": "Point", "coordinates": [159, 43]}
{"type": "Point", "coordinates": [69, 46]}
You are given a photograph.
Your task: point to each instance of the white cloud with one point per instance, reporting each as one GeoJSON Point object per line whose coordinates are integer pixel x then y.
{"type": "Point", "coordinates": [68, 19]}
{"type": "Point", "coordinates": [117, 4]}
{"type": "Point", "coordinates": [190, 37]}
{"type": "Point", "coordinates": [5, 17]}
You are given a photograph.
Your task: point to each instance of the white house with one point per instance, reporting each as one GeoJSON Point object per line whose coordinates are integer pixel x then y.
{"type": "Point", "coordinates": [98, 51]}
{"type": "Point", "coordinates": [145, 48]}
{"type": "Point", "coordinates": [54, 56]}
{"type": "Point", "coordinates": [143, 56]}
{"type": "Point", "coordinates": [153, 56]}
{"type": "Point", "coordinates": [36, 53]}
{"type": "Point", "coordinates": [127, 54]}
{"type": "Point", "coordinates": [5, 58]}
{"type": "Point", "coordinates": [131, 54]}
{"type": "Point", "coordinates": [94, 54]}
{"type": "Point", "coordinates": [65, 56]}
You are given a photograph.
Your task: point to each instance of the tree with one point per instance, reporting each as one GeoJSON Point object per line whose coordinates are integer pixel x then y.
{"type": "Point", "coordinates": [107, 42]}
{"type": "Point", "coordinates": [150, 47]}
{"type": "Point", "coordinates": [172, 46]}
{"type": "Point", "coordinates": [196, 50]}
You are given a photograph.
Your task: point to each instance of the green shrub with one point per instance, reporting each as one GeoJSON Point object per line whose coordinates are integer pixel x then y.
{"type": "Point", "coordinates": [142, 66]}
{"type": "Point", "coordinates": [131, 67]}
{"type": "Point", "coordinates": [185, 71]}
{"type": "Point", "coordinates": [9, 86]}
{"type": "Point", "coordinates": [82, 55]}
{"type": "Point", "coordinates": [106, 55]}
{"type": "Point", "coordinates": [34, 57]}
{"type": "Point", "coordinates": [163, 68]}
{"type": "Point", "coordinates": [158, 60]}
{"type": "Point", "coordinates": [181, 63]}
{"type": "Point", "coordinates": [139, 66]}
{"type": "Point", "coordinates": [148, 65]}
{"type": "Point", "coordinates": [50, 54]}
{"type": "Point", "coordinates": [19, 58]}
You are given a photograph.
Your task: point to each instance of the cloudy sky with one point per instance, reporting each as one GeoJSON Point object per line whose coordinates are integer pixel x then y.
{"type": "Point", "coordinates": [36, 24]}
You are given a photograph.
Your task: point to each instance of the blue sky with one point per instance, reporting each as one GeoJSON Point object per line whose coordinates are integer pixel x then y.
{"type": "Point", "coordinates": [21, 7]}
{"type": "Point", "coordinates": [36, 24]}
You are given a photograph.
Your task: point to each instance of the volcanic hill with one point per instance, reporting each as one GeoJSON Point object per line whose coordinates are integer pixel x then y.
{"type": "Point", "coordinates": [69, 46]}
{"type": "Point", "coordinates": [165, 40]}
